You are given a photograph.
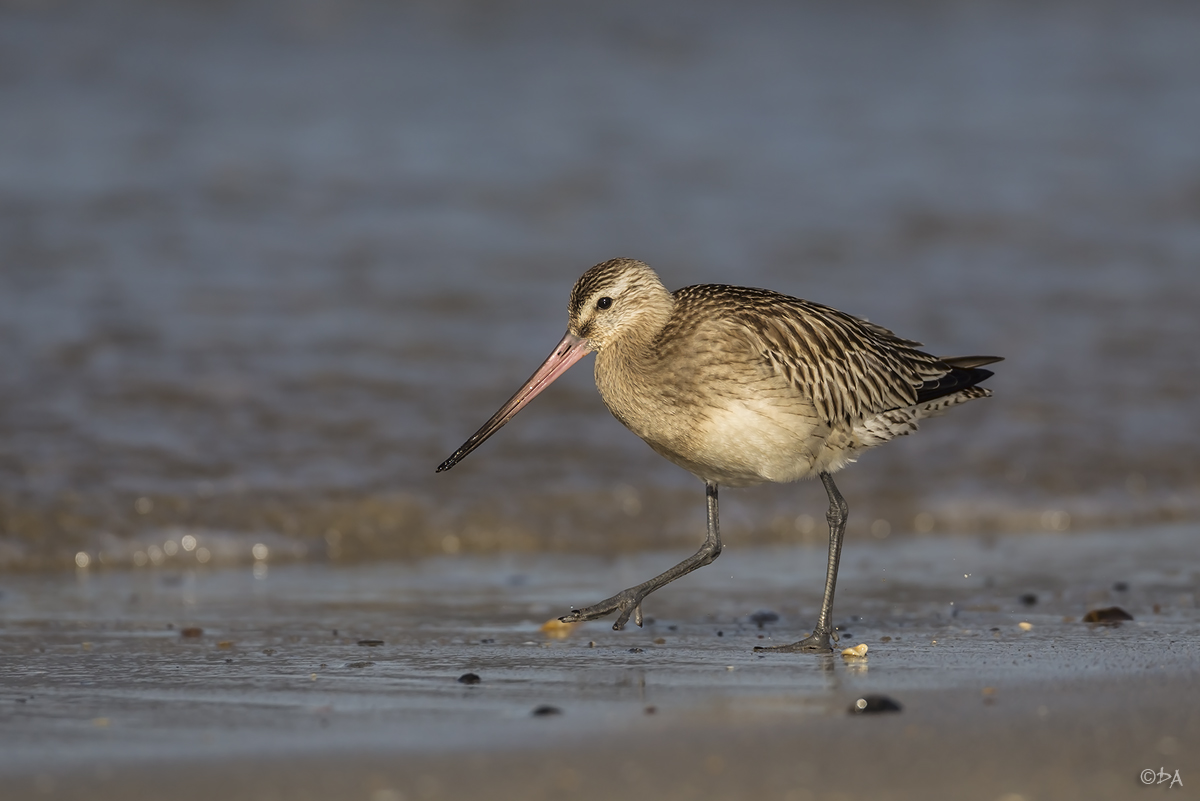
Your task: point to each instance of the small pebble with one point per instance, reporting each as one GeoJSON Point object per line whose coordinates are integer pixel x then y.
{"type": "Point", "coordinates": [1121, 586]}
{"type": "Point", "coordinates": [359, 664]}
{"type": "Point", "coordinates": [872, 704]}
{"type": "Point", "coordinates": [1113, 614]}
{"type": "Point", "coordinates": [1024, 625]}
{"type": "Point", "coordinates": [545, 710]}
{"type": "Point", "coordinates": [1029, 599]}
{"type": "Point", "coordinates": [370, 643]}
{"type": "Point", "coordinates": [469, 678]}
{"type": "Point", "coordinates": [764, 616]}
{"type": "Point", "coordinates": [635, 650]}
{"type": "Point", "coordinates": [191, 631]}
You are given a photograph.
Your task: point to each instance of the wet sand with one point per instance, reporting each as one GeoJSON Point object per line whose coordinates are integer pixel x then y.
{"type": "Point", "coordinates": [279, 697]}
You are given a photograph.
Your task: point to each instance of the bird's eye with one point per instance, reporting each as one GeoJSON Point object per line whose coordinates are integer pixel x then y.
{"type": "Point", "coordinates": [603, 303]}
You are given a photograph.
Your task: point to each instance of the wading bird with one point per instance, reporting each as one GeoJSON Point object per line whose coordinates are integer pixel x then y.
{"type": "Point", "coordinates": [742, 386]}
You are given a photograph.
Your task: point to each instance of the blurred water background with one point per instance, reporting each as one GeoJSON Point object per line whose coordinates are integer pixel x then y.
{"type": "Point", "coordinates": [263, 265]}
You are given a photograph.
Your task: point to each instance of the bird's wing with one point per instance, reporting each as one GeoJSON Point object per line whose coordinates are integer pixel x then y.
{"type": "Point", "coordinates": [849, 368]}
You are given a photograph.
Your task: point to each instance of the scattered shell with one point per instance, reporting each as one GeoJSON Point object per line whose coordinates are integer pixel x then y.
{"type": "Point", "coordinates": [558, 629]}
{"type": "Point", "coordinates": [1024, 625]}
{"type": "Point", "coordinates": [856, 652]}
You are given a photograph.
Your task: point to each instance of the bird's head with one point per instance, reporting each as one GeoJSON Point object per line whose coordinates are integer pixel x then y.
{"type": "Point", "coordinates": [616, 299]}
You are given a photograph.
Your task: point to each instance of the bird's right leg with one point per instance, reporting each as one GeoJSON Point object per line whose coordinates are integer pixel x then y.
{"type": "Point", "coordinates": [629, 602]}
{"type": "Point", "coordinates": [820, 640]}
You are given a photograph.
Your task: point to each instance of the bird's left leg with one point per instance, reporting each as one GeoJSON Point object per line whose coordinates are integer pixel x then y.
{"type": "Point", "coordinates": [629, 602]}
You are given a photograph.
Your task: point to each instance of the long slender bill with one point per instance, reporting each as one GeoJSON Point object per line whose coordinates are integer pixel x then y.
{"type": "Point", "coordinates": [565, 354]}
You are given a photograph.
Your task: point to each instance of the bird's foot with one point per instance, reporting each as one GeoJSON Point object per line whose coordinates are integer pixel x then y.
{"type": "Point", "coordinates": [628, 602]}
{"type": "Point", "coordinates": [819, 642]}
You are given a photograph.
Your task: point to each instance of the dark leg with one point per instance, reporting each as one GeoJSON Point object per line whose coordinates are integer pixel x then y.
{"type": "Point", "coordinates": [629, 601]}
{"type": "Point", "coordinates": [819, 640]}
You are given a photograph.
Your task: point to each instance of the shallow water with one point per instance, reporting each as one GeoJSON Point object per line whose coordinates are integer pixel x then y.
{"type": "Point", "coordinates": [264, 265]}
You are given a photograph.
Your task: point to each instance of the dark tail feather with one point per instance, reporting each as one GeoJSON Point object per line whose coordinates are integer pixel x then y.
{"type": "Point", "coordinates": [964, 373]}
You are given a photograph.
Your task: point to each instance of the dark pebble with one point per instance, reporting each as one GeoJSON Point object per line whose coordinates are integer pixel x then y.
{"type": "Point", "coordinates": [1121, 586]}
{"type": "Point", "coordinates": [1113, 614]}
{"type": "Point", "coordinates": [486, 641]}
{"type": "Point", "coordinates": [1029, 599]}
{"type": "Point", "coordinates": [469, 678]}
{"type": "Point", "coordinates": [191, 631]}
{"type": "Point", "coordinates": [650, 710]}
{"type": "Point", "coordinates": [720, 634]}
{"type": "Point", "coordinates": [359, 664]}
{"type": "Point", "coordinates": [871, 704]}
{"type": "Point", "coordinates": [764, 616]}
{"type": "Point", "coordinates": [635, 650]}
{"type": "Point", "coordinates": [370, 643]}
{"type": "Point", "coordinates": [546, 710]}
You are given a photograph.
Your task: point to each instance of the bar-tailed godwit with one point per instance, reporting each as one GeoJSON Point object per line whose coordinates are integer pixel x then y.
{"type": "Point", "coordinates": [742, 386]}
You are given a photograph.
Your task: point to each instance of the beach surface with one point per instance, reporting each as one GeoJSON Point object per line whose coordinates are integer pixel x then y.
{"type": "Point", "coordinates": [309, 681]}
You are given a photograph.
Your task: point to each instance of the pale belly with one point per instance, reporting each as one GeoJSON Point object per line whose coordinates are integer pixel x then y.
{"type": "Point", "coordinates": [740, 445]}
{"type": "Point", "coordinates": [734, 428]}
